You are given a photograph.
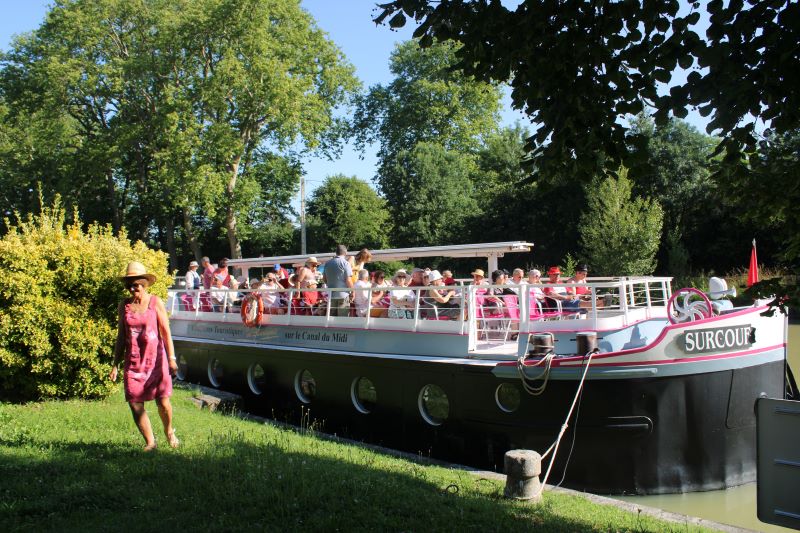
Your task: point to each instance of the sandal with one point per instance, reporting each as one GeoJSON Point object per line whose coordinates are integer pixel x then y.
{"type": "Point", "coordinates": [173, 440]}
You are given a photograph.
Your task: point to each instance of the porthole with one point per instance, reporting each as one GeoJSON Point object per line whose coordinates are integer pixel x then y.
{"type": "Point", "coordinates": [364, 395]}
{"type": "Point", "coordinates": [215, 372]}
{"type": "Point", "coordinates": [507, 397]}
{"type": "Point", "coordinates": [433, 405]}
{"type": "Point", "coordinates": [305, 386]}
{"type": "Point", "coordinates": [256, 379]}
{"type": "Point", "coordinates": [183, 368]}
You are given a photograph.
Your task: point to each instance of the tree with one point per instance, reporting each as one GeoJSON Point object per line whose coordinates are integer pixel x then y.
{"type": "Point", "coordinates": [577, 68]}
{"type": "Point", "coordinates": [346, 210]}
{"type": "Point", "coordinates": [165, 108]}
{"type": "Point", "coordinates": [438, 198]}
{"type": "Point", "coordinates": [671, 165]}
{"type": "Point", "coordinates": [619, 235]}
{"type": "Point", "coordinates": [426, 102]}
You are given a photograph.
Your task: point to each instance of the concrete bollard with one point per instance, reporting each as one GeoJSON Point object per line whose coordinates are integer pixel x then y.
{"type": "Point", "coordinates": [522, 468]}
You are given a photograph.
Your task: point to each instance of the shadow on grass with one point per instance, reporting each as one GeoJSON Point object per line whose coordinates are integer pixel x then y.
{"type": "Point", "coordinates": [230, 484]}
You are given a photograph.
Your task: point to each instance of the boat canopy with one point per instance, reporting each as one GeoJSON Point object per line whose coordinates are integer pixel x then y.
{"type": "Point", "coordinates": [491, 251]}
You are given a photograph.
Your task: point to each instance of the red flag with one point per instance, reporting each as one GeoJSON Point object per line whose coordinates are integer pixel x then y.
{"type": "Point", "coordinates": [752, 272]}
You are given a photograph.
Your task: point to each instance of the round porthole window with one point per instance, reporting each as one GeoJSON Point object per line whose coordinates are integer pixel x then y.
{"type": "Point", "coordinates": [183, 368]}
{"type": "Point", "coordinates": [364, 395]}
{"type": "Point", "coordinates": [255, 379]}
{"type": "Point", "coordinates": [215, 372]}
{"type": "Point", "coordinates": [433, 405]}
{"type": "Point", "coordinates": [305, 386]}
{"type": "Point", "coordinates": [507, 397]}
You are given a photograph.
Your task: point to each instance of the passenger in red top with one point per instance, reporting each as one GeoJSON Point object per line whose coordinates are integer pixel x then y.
{"type": "Point", "coordinates": [447, 276]}
{"type": "Point", "coordinates": [222, 270]}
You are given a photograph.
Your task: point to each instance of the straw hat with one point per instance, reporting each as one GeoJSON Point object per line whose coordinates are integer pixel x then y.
{"type": "Point", "coordinates": [136, 270]}
{"type": "Point", "coordinates": [312, 260]}
{"type": "Point", "coordinates": [478, 272]}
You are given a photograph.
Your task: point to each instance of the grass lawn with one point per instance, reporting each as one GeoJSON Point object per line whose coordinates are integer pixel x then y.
{"type": "Point", "coordinates": [78, 465]}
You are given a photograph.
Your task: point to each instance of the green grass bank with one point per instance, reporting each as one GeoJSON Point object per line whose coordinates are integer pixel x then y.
{"type": "Point", "coordinates": [78, 465]}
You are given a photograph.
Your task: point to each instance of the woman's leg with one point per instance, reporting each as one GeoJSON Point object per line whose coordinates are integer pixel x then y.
{"type": "Point", "coordinates": [143, 423]}
{"type": "Point", "coordinates": [165, 412]}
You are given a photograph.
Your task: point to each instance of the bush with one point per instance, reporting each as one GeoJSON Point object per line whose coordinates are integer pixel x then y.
{"type": "Point", "coordinates": [58, 300]}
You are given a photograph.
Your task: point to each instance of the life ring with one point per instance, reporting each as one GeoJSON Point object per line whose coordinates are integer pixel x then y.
{"type": "Point", "coordinates": [252, 310]}
{"type": "Point", "coordinates": [688, 305]}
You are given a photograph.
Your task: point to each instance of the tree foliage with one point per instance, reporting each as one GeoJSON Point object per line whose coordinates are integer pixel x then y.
{"type": "Point", "coordinates": [58, 304]}
{"type": "Point", "coordinates": [155, 114]}
{"type": "Point", "coordinates": [578, 68]}
{"type": "Point", "coordinates": [438, 199]}
{"type": "Point", "coordinates": [346, 210]}
{"type": "Point", "coordinates": [619, 235]}
{"type": "Point", "coordinates": [426, 102]}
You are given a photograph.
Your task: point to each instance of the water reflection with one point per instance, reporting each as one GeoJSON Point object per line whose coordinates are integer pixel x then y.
{"type": "Point", "coordinates": [735, 506]}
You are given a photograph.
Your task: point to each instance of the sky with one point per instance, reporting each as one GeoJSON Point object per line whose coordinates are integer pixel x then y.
{"type": "Point", "coordinates": [348, 24]}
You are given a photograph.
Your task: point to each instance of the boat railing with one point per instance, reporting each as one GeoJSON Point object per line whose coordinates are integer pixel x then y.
{"type": "Point", "coordinates": [480, 311]}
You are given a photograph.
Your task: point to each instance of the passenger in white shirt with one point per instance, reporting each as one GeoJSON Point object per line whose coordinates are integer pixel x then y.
{"type": "Point", "coordinates": [401, 300]}
{"type": "Point", "coordinates": [362, 292]}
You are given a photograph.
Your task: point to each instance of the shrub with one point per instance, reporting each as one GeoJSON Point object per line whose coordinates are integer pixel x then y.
{"type": "Point", "coordinates": [58, 299]}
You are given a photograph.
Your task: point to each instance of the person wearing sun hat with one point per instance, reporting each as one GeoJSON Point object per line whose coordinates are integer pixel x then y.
{"type": "Point", "coordinates": [478, 276]}
{"type": "Point", "coordinates": [144, 343]}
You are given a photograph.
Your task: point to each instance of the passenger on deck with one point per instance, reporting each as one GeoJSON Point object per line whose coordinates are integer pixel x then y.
{"type": "Point", "coordinates": [339, 275]}
{"type": "Point", "coordinates": [361, 296]}
{"type": "Point", "coordinates": [401, 300]}
{"type": "Point", "coordinates": [222, 270]}
{"type": "Point", "coordinates": [270, 294]}
{"type": "Point", "coordinates": [499, 278]}
{"type": "Point", "coordinates": [380, 296]}
{"type": "Point", "coordinates": [208, 272]}
{"type": "Point", "coordinates": [535, 278]}
{"type": "Point", "coordinates": [583, 293]}
{"type": "Point", "coordinates": [552, 294]}
{"type": "Point", "coordinates": [192, 278]}
{"type": "Point", "coordinates": [417, 278]}
{"type": "Point", "coordinates": [447, 276]}
{"type": "Point", "coordinates": [359, 262]}
{"type": "Point", "coordinates": [478, 277]}
{"type": "Point", "coordinates": [219, 294]}
{"type": "Point", "coordinates": [444, 300]}
{"type": "Point", "coordinates": [517, 279]}
{"type": "Point", "coordinates": [307, 272]}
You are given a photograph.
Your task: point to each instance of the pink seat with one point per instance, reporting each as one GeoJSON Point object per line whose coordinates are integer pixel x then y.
{"type": "Point", "coordinates": [187, 303]}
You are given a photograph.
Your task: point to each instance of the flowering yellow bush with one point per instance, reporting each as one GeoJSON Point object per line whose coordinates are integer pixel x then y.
{"type": "Point", "coordinates": [59, 292]}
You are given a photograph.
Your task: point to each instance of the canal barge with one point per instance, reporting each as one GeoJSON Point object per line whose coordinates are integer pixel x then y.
{"type": "Point", "coordinates": [665, 381]}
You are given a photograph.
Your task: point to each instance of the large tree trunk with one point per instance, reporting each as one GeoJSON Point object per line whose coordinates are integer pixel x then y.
{"type": "Point", "coordinates": [170, 239]}
{"type": "Point", "coordinates": [116, 221]}
{"type": "Point", "coordinates": [188, 227]}
{"type": "Point", "coordinates": [230, 212]}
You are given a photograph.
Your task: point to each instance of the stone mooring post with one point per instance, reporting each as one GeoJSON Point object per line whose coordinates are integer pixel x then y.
{"type": "Point", "coordinates": [522, 468]}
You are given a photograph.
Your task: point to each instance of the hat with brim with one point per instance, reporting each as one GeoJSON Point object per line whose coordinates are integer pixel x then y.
{"type": "Point", "coordinates": [478, 272]}
{"type": "Point", "coordinates": [312, 260]}
{"type": "Point", "coordinates": [553, 270]}
{"type": "Point", "coordinates": [136, 270]}
{"type": "Point", "coordinates": [434, 276]}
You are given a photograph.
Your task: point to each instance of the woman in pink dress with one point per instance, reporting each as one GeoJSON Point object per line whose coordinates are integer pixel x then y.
{"type": "Point", "coordinates": [145, 343]}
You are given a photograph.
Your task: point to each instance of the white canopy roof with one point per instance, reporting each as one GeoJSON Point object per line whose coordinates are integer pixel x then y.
{"type": "Point", "coordinates": [491, 251]}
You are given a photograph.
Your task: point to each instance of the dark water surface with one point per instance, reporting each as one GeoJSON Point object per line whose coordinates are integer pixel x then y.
{"type": "Point", "coordinates": [735, 506]}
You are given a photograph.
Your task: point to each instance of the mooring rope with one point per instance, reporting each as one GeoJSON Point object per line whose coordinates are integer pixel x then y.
{"type": "Point", "coordinates": [554, 446]}
{"type": "Point", "coordinates": [529, 383]}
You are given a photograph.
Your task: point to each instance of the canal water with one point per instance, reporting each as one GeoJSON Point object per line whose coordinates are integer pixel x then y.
{"type": "Point", "coordinates": [735, 506]}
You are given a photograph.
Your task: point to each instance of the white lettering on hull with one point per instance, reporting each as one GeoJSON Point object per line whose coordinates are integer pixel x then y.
{"type": "Point", "coordinates": [718, 339]}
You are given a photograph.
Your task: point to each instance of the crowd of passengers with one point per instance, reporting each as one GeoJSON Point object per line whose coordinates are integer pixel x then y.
{"type": "Point", "coordinates": [364, 292]}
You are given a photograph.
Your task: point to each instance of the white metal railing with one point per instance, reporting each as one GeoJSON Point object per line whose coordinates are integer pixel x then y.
{"type": "Point", "coordinates": [481, 311]}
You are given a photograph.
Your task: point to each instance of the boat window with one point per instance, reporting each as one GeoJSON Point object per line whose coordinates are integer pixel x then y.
{"type": "Point", "coordinates": [215, 372]}
{"type": "Point", "coordinates": [364, 395]}
{"type": "Point", "coordinates": [183, 368]}
{"type": "Point", "coordinates": [507, 397]}
{"type": "Point", "coordinates": [305, 386]}
{"type": "Point", "coordinates": [433, 405]}
{"type": "Point", "coordinates": [256, 379]}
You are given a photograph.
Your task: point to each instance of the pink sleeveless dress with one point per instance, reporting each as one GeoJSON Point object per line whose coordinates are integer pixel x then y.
{"type": "Point", "coordinates": [146, 366]}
